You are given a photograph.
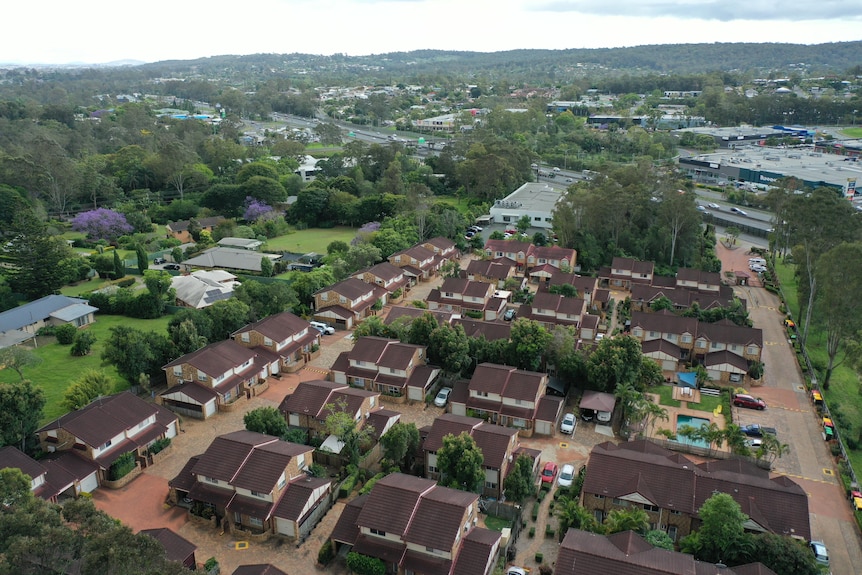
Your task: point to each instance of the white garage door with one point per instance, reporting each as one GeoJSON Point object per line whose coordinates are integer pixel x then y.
{"type": "Point", "coordinates": [90, 483]}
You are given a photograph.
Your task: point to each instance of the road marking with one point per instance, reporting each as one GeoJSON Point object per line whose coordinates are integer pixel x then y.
{"type": "Point", "coordinates": [806, 478]}
{"type": "Point", "coordinates": [773, 342]}
{"type": "Point", "coordinates": [240, 545]}
{"type": "Point", "coordinates": [828, 472]}
{"type": "Point", "coordinates": [790, 409]}
{"type": "Point", "coordinates": [564, 445]}
{"type": "Point", "coordinates": [316, 369]}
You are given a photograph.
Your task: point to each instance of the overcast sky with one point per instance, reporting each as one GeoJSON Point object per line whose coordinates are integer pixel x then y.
{"type": "Point", "coordinates": [98, 31]}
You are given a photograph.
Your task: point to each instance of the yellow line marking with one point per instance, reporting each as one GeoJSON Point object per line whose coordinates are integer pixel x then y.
{"type": "Point", "coordinates": [564, 445]}
{"type": "Point", "coordinates": [828, 472]}
{"type": "Point", "coordinates": [240, 545]}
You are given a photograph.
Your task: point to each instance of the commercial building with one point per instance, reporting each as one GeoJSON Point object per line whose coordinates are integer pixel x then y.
{"type": "Point", "coordinates": [534, 199]}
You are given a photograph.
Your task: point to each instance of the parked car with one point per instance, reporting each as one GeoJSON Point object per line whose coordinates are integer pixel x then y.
{"type": "Point", "coordinates": [159, 261]}
{"type": "Point", "coordinates": [442, 397]}
{"type": "Point", "coordinates": [175, 267]}
{"type": "Point", "coordinates": [322, 327]}
{"type": "Point", "coordinates": [476, 229]}
{"type": "Point", "coordinates": [757, 268]}
{"type": "Point", "coordinates": [756, 430]}
{"type": "Point", "coordinates": [567, 475]}
{"type": "Point", "coordinates": [516, 571]}
{"type": "Point", "coordinates": [821, 554]}
{"type": "Point", "coordinates": [510, 314]}
{"type": "Point", "coordinates": [749, 401]}
{"type": "Point", "coordinates": [567, 426]}
{"type": "Point", "coordinates": [754, 443]}
{"type": "Point", "coordinates": [549, 472]}
{"type": "Point", "coordinates": [469, 235]}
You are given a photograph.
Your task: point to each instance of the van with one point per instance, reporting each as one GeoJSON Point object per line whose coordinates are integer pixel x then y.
{"type": "Point", "coordinates": [756, 261]}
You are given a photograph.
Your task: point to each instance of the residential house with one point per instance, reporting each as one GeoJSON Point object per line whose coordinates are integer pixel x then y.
{"type": "Point", "coordinates": [671, 339]}
{"type": "Point", "coordinates": [627, 552]}
{"type": "Point", "coordinates": [513, 250]}
{"type": "Point", "coordinates": [202, 288]}
{"type": "Point", "coordinates": [626, 271]}
{"type": "Point", "coordinates": [497, 444]}
{"type": "Point", "coordinates": [419, 263]}
{"type": "Point", "coordinates": [491, 272]}
{"type": "Point", "coordinates": [229, 258]}
{"type": "Point", "coordinates": [503, 395]}
{"type": "Point", "coordinates": [62, 474]}
{"type": "Point", "coordinates": [313, 401]}
{"type": "Point", "coordinates": [586, 286]}
{"type": "Point", "coordinates": [698, 280]}
{"type": "Point", "coordinates": [560, 258]}
{"type": "Point", "coordinates": [284, 335]}
{"type": "Point", "coordinates": [214, 377]}
{"type": "Point", "coordinates": [346, 303]}
{"type": "Point", "coordinates": [444, 250]}
{"type": "Point", "coordinates": [177, 548]}
{"type": "Point", "coordinates": [671, 488]}
{"type": "Point", "coordinates": [398, 371]}
{"type": "Point", "coordinates": [396, 313]}
{"type": "Point", "coordinates": [255, 484]}
{"type": "Point", "coordinates": [490, 330]}
{"type": "Point", "coordinates": [180, 230]}
{"type": "Point", "coordinates": [107, 428]}
{"type": "Point", "coordinates": [21, 323]}
{"type": "Point", "coordinates": [681, 298]}
{"type": "Point", "coordinates": [390, 277]}
{"type": "Point", "coordinates": [464, 297]}
{"type": "Point", "coordinates": [551, 310]}
{"type": "Point", "coordinates": [392, 523]}
{"type": "Point", "coordinates": [240, 243]}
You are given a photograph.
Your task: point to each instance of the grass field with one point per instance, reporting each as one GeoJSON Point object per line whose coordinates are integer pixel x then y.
{"type": "Point", "coordinates": [852, 132]}
{"type": "Point", "coordinates": [83, 287]}
{"type": "Point", "coordinates": [310, 240]}
{"type": "Point", "coordinates": [59, 368]}
{"type": "Point", "coordinates": [843, 395]}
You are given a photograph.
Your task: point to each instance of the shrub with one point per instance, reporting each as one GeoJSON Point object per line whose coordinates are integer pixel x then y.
{"type": "Point", "coordinates": [532, 531]}
{"type": "Point", "coordinates": [420, 304]}
{"type": "Point", "coordinates": [122, 466]}
{"type": "Point", "coordinates": [365, 565]}
{"type": "Point", "coordinates": [549, 532]}
{"type": "Point", "coordinates": [210, 564]}
{"type": "Point", "coordinates": [535, 513]}
{"type": "Point", "coordinates": [126, 282]}
{"type": "Point", "coordinates": [539, 557]}
{"type": "Point", "coordinates": [65, 333]}
{"type": "Point", "coordinates": [47, 330]}
{"type": "Point", "coordinates": [370, 483]}
{"type": "Point", "coordinates": [326, 553]}
{"type": "Point", "coordinates": [82, 343]}
{"type": "Point", "coordinates": [159, 445]}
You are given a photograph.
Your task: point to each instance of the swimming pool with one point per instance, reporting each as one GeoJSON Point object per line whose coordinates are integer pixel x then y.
{"type": "Point", "coordinates": [695, 422]}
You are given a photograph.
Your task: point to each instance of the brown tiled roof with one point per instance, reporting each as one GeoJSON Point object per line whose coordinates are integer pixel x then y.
{"type": "Point", "coordinates": [419, 562]}
{"type": "Point", "coordinates": [185, 479]}
{"type": "Point", "coordinates": [412, 271]}
{"type": "Point", "coordinates": [338, 310]}
{"type": "Point", "coordinates": [724, 356]}
{"type": "Point", "coordinates": [726, 331]}
{"type": "Point", "coordinates": [423, 376]}
{"type": "Point", "coordinates": [664, 322]}
{"type": "Point", "coordinates": [441, 243]}
{"type": "Point", "coordinates": [643, 267]}
{"type": "Point", "coordinates": [508, 246]}
{"type": "Point", "coordinates": [197, 392]}
{"type": "Point", "coordinates": [476, 551]}
{"type": "Point", "coordinates": [392, 502]}
{"type": "Point", "coordinates": [417, 252]}
{"type": "Point", "coordinates": [351, 288]}
{"type": "Point", "coordinates": [383, 352]}
{"type": "Point", "coordinates": [524, 385]}
{"type": "Point", "coordinates": [558, 303]}
{"type": "Point", "coordinates": [381, 420]}
{"type": "Point", "coordinates": [554, 253]}
{"type": "Point", "coordinates": [494, 441]}
{"type": "Point", "coordinates": [397, 312]}
{"type": "Point", "coordinates": [277, 327]}
{"type": "Point", "coordinates": [476, 289]}
{"type": "Point", "coordinates": [490, 330]}
{"type": "Point", "coordinates": [699, 276]}
{"type": "Point", "coordinates": [217, 358]}
{"type": "Point", "coordinates": [105, 418]}
{"type": "Point", "coordinates": [177, 548]}
{"type": "Point", "coordinates": [265, 465]}
{"type": "Point", "coordinates": [490, 269]}
{"type": "Point", "coordinates": [350, 397]}
{"type": "Point", "coordinates": [661, 346]}
{"type": "Point", "coordinates": [259, 569]}
{"type": "Point", "coordinates": [447, 506]}
{"type": "Point", "coordinates": [346, 529]}
{"type": "Point", "coordinates": [449, 424]}
{"type": "Point", "coordinates": [309, 397]}
{"type": "Point", "coordinates": [627, 553]}
{"type": "Point", "coordinates": [490, 377]}
{"type": "Point", "coordinates": [549, 408]}
{"type": "Point", "coordinates": [387, 550]}
{"type": "Point", "coordinates": [12, 457]}
{"type": "Point", "coordinates": [297, 497]}
{"type": "Point", "coordinates": [384, 271]}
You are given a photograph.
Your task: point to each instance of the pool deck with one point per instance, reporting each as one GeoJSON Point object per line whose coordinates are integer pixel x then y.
{"type": "Point", "coordinates": [684, 409]}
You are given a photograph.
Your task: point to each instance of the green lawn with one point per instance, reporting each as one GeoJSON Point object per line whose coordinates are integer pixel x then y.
{"type": "Point", "coordinates": [852, 132]}
{"type": "Point", "coordinates": [496, 523]}
{"type": "Point", "coordinates": [59, 368]}
{"type": "Point", "coordinates": [707, 402]}
{"type": "Point", "coordinates": [665, 393]}
{"type": "Point", "coordinates": [310, 240]}
{"type": "Point", "coordinates": [843, 394]}
{"type": "Point", "coordinates": [83, 287]}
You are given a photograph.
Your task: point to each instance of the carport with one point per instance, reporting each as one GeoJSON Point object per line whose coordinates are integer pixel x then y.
{"type": "Point", "coordinates": [598, 402]}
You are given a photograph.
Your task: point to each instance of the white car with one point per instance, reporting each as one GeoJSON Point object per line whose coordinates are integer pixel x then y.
{"type": "Point", "coordinates": [713, 206]}
{"type": "Point", "coordinates": [567, 426]}
{"type": "Point", "coordinates": [322, 327]}
{"type": "Point", "coordinates": [567, 475]}
{"type": "Point", "coordinates": [821, 554]}
{"type": "Point", "coordinates": [757, 268]}
{"type": "Point", "coordinates": [442, 397]}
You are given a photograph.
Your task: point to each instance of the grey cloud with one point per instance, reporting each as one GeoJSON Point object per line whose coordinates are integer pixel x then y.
{"type": "Point", "coordinates": [722, 10]}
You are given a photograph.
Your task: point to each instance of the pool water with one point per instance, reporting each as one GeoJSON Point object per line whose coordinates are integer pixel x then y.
{"type": "Point", "coordinates": [695, 422]}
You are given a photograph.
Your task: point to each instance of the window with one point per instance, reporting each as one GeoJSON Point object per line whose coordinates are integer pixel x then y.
{"type": "Point", "coordinates": [653, 508]}
{"type": "Point", "coordinates": [621, 502]}
{"type": "Point", "coordinates": [267, 341]}
{"type": "Point", "coordinates": [254, 521]}
{"type": "Point", "coordinates": [282, 482]}
{"type": "Point", "coordinates": [178, 370]}
{"type": "Point", "coordinates": [202, 376]}
{"type": "Point", "coordinates": [106, 445]}
{"type": "Point", "coordinates": [342, 299]}
{"type": "Point", "coordinates": [378, 532]}
{"type": "Point", "coordinates": [653, 334]}
{"type": "Point", "coordinates": [245, 337]}
{"type": "Point", "coordinates": [211, 480]}
{"type": "Point", "coordinates": [430, 550]}
{"type": "Point", "coordinates": [675, 512]}
{"type": "Point", "coordinates": [671, 531]}
{"type": "Point", "coordinates": [537, 219]}
{"type": "Point", "coordinates": [432, 469]}
{"type": "Point", "coordinates": [686, 338]}
{"type": "Point", "coordinates": [258, 494]}
{"type": "Point", "coordinates": [324, 296]}
{"type": "Point", "coordinates": [598, 496]}
{"type": "Point", "coordinates": [490, 485]}
{"type": "Point", "coordinates": [714, 345]}
{"type": "Point", "coordinates": [482, 393]}
{"type": "Point", "coordinates": [599, 515]}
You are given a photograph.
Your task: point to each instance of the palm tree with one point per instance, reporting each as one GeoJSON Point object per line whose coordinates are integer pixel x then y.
{"type": "Point", "coordinates": [735, 439]}
{"type": "Point", "coordinates": [713, 435]}
{"type": "Point", "coordinates": [653, 412]}
{"type": "Point", "coordinates": [631, 519]}
{"type": "Point", "coordinates": [772, 448]}
{"type": "Point", "coordinates": [571, 514]}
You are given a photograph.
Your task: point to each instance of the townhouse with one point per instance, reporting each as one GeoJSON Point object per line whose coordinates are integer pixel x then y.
{"type": "Point", "coordinates": [419, 263]}
{"type": "Point", "coordinates": [671, 488]}
{"type": "Point", "coordinates": [104, 430]}
{"type": "Point", "coordinates": [312, 401]}
{"type": "Point", "coordinates": [624, 272]}
{"type": "Point", "coordinates": [464, 297]}
{"type": "Point", "coordinates": [512, 250]}
{"type": "Point", "coordinates": [491, 272]}
{"type": "Point", "coordinates": [346, 303]}
{"type": "Point", "coordinates": [253, 485]}
{"type": "Point", "coordinates": [58, 475]}
{"type": "Point", "coordinates": [415, 526]}
{"type": "Point", "coordinates": [551, 310]}
{"type": "Point", "coordinates": [444, 250]}
{"type": "Point", "coordinates": [527, 256]}
{"type": "Point", "coordinates": [397, 371]}
{"type": "Point", "coordinates": [390, 277]}
{"type": "Point", "coordinates": [285, 336]}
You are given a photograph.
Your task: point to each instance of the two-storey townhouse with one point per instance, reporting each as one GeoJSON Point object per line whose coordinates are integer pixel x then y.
{"type": "Point", "coordinates": [628, 552]}
{"type": "Point", "coordinates": [390, 277]}
{"type": "Point", "coordinates": [313, 401]}
{"type": "Point", "coordinates": [214, 377]}
{"type": "Point", "coordinates": [682, 298]}
{"type": "Point", "coordinates": [727, 350]}
{"type": "Point", "coordinates": [348, 302]}
{"type": "Point", "coordinates": [510, 249]}
{"type": "Point", "coordinates": [551, 310]}
{"type": "Point", "coordinates": [626, 271]}
{"type": "Point", "coordinates": [490, 330]}
{"type": "Point", "coordinates": [54, 475]}
{"type": "Point", "coordinates": [587, 286]}
{"type": "Point", "coordinates": [415, 526]}
{"type": "Point", "coordinates": [398, 371]}
{"type": "Point", "coordinates": [671, 488]}
{"type": "Point", "coordinates": [254, 484]}
{"type": "Point", "coordinates": [558, 257]}
{"type": "Point", "coordinates": [490, 272]}
{"type": "Point", "coordinates": [107, 428]}
{"type": "Point", "coordinates": [472, 298]}
{"type": "Point", "coordinates": [444, 250]}
{"type": "Point", "coordinates": [497, 444]}
{"type": "Point", "coordinates": [698, 280]}
{"type": "Point", "coordinates": [286, 335]}
{"type": "Point", "coordinates": [419, 263]}
{"type": "Point", "coordinates": [503, 395]}
{"type": "Point", "coordinates": [665, 337]}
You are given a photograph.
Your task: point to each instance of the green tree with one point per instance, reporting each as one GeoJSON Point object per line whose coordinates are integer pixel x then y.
{"type": "Point", "coordinates": [134, 352]}
{"type": "Point", "coordinates": [14, 488]}
{"type": "Point", "coordinates": [529, 342]}
{"type": "Point", "coordinates": [35, 256]}
{"type": "Point", "coordinates": [523, 224]}
{"type": "Point", "coordinates": [721, 537]}
{"type": "Point", "coordinates": [91, 385]}
{"type": "Point", "coordinates": [632, 519]}
{"type": "Point", "coordinates": [572, 515]}
{"type": "Point", "coordinates": [21, 406]}
{"type": "Point", "coordinates": [305, 284]}
{"type": "Point", "coordinates": [421, 329]}
{"type": "Point", "coordinates": [783, 554]}
{"type": "Point", "coordinates": [340, 423]}
{"type": "Point", "coordinates": [448, 347]}
{"type": "Point", "coordinates": [266, 267]}
{"type": "Point", "coordinates": [615, 361]}
{"type": "Point", "coordinates": [400, 443]}
{"type": "Point", "coordinates": [460, 463]}
{"type": "Point", "coordinates": [227, 316]}
{"type": "Point", "coordinates": [18, 358]}
{"type": "Point", "coordinates": [365, 565]}
{"type": "Point", "coordinates": [265, 299]}
{"type": "Point", "coordinates": [143, 262]}
{"type": "Point", "coordinates": [660, 539]}
{"type": "Point", "coordinates": [119, 266]}
{"type": "Point", "coordinates": [267, 420]}
{"type": "Point", "coordinates": [518, 484]}
{"type": "Point", "coordinates": [186, 337]}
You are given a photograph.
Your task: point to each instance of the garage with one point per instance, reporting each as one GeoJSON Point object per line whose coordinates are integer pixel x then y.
{"type": "Point", "coordinates": [191, 400]}
{"type": "Point", "coordinates": [662, 352]}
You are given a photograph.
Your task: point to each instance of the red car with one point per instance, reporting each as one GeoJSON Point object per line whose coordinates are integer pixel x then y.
{"type": "Point", "coordinates": [549, 472]}
{"type": "Point", "coordinates": [751, 402]}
